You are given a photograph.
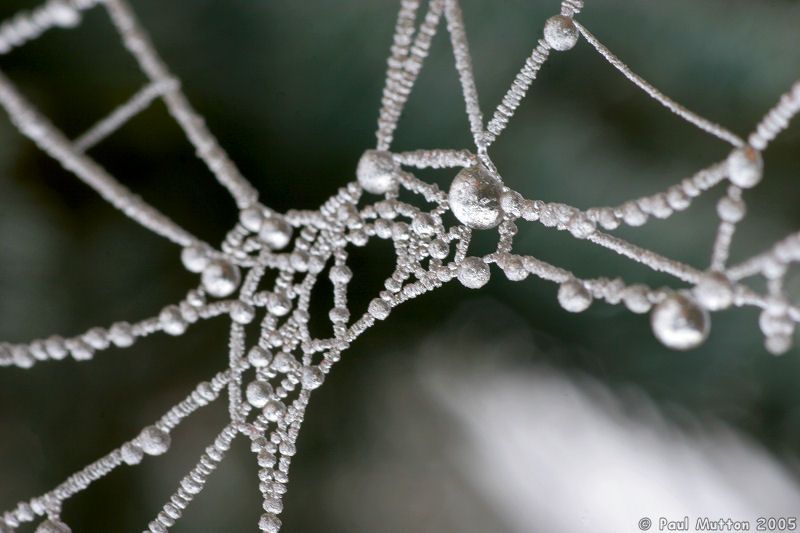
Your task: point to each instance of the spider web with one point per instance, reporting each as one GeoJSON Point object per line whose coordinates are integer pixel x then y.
{"type": "Point", "coordinates": [269, 383]}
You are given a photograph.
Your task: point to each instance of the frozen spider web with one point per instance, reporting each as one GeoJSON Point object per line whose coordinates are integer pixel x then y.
{"type": "Point", "coordinates": [269, 383]}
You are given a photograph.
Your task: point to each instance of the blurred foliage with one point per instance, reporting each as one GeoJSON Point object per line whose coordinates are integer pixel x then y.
{"type": "Point", "coordinates": [292, 89]}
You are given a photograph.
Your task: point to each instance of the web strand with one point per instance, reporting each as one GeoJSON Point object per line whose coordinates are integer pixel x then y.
{"type": "Point", "coordinates": [120, 116]}
{"type": "Point", "coordinates": [777, 119]}
{"type": "Point", "coordinates": [206, 145]}
{"type": "Point", "coordinates": [704, 124]}
{"type": "Point", "coordinates": [54, 143]}
{"type": "Point", "coordinates": [405, 64]}
{"type": "Point", "coordinates": [52, 501]}
{"type": "Point", "coordinates": [393, 91]}
{"type": "Point", "coordinates": [466, 76]}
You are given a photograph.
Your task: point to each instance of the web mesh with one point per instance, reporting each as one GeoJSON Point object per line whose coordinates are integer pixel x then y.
{"type": "Point", "coordinates": [269, 382]}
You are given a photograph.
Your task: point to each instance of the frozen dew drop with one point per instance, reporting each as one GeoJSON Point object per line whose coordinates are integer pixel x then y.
{"type": "Point", "coordinates": [340, 274]}
{"type": "Point", "coordinates": [131, 453]}
{"type": "Point", "coordinates": [172, 321]}
{"type": "Point", "coordinates": [251, 218]}
{"type": "Point", "coordinates": [278, 304]}
{"type": "Point", "coordinates": [242, 313]}
{"type": "Point", "coordinates": [312, 377]}
{"type": "Point", "coordinates": [269, 523]}
{"type": "Point", "coordinates": [731, 209]}
{"type": "Point", "coordinates": [195, 257]}
{"type": "Point", "coordinates": [275, 232]}
{"type": "Point", "coordinates": [438, 249]}
{"type": "Point", "coordinates": [377, 171]}
{"type": "Point", "coordinates": [121, 334]}
{"type": "Point", "coordinates": [339, 315]}
{"type": "Point", "coordinates": [474, 198]}
{"type": "Point", "coordinates": [745, 167]}
{"type": "Point", "coordinates": [714, 291]}
{"type": "Point", "coordinates": [258, 393]}
{"type": "Point", "coordinates": [259, 357]}
{"type": "Point", "coordinates": [379, 309]}
{"type": "Point", "coordinates": [560, 33]}
{"type": "Point", "coordinates": [423, 225]}
{"type": "Point", "coordinates": [636, 298]}
{"type": "Point", "coordinates": [154, 440]}
{"type": "Point", "coordinates": [284, 362]}
{"type": "Point", "coordinates": [274, 410]}
{"type": "Point", "coordinates": [778, 344]}
{"type": "Point", "coordinates": [473, 272]}
{"type": "Point", "coordinates": [220, 278]}
{"type": "Point", "coordinates": [273, 505]}
{"type": "Point", "coordinates": [574, 296]}
{"type": "Point", "coordinates": [679, 322]}
{"type": "Point", "coordinates": [513, 267]}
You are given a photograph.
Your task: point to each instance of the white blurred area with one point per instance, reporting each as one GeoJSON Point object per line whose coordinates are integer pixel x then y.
{"type": "Point", "coordinates": [471, 441]}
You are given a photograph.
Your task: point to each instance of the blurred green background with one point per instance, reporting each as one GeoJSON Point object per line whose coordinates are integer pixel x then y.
{"type": "Point", "coordinates": [292, 90]}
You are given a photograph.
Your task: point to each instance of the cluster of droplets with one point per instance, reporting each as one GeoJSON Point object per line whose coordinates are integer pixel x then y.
{"type": "Point", "coordinates": [277, 374]}
{"type": "Point", "coordinates": [679, 319]}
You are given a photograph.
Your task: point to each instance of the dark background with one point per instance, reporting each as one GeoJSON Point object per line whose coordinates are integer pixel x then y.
{"type": "Point", "coordinates": [292, 90]}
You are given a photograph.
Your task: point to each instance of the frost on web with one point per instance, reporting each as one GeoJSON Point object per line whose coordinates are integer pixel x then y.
{"type": "Point", "coordinates": [269, 383]}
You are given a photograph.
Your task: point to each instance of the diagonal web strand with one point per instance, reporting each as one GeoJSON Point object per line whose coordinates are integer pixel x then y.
{"type": "Point", "coordinates": [193, 482]}
{"type": "Point", "coordinates": [463, 60]}
{"type": "Point", "coordinates": [689, 116]}
{"type": "Point", "coordinates": [122, 114]}
{"type": "Point", "coordinates": [50, 140]}
{"type": "Point", "coordinates": [777, 119]}
{"type": "Point", "coordinates": [52, 501]}
{"type": "Point", "coordinates": [393, 87]}
{"type": "Point", "coordinates": [404, 67]}
{"type": "Point", "coordinates": [208, 149]}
